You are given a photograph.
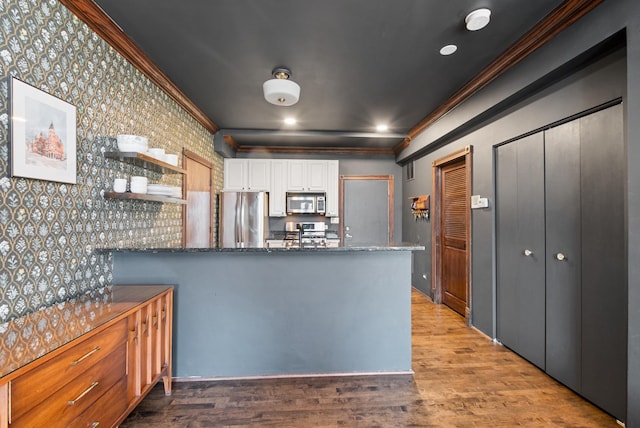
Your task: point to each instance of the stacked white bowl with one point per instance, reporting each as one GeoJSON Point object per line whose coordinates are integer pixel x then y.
{"type": "Point", "coordinates": [171, 159]}
{"type": "Point", "coordinates": [132, 143]}
{"type": "Point", "coordinates": [120, 185]}
{"type": "Point", "coordinates": [156, 153]}
{"type": "Point", "coordinates": [138, 184]}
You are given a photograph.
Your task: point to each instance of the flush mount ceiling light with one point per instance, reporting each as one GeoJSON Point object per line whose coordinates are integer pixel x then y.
{"type": "Point", "coordinates": [478, 19]}
{"type": "Point", "coordinates": [280, 90]}
{"type": "Point", "coordinates": [290, 121]}
{"type": "Point", "coordinates": [382, 127]}
{"type": "Point", "coordinates": [448, 50]}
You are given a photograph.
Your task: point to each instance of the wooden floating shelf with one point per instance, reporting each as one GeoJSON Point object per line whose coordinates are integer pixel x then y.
{"type": "Point", "coordinates": [144, 197]}
{"type": "Point", "coordinates": [144, 158]}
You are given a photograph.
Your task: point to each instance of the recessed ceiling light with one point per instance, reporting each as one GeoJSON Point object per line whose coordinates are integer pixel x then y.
{"type": "Point", "coordinates": [382, 127]}
{"type": "Point", "coordinates": [290, 121]}
{"type": "Point", "coordinates": [478, 19]}
{"type": "Point", "coordinates": [448, 49]}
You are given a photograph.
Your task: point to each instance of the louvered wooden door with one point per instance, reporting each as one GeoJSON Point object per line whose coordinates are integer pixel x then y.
{"type": "Point", "coordinates": [454, 223]}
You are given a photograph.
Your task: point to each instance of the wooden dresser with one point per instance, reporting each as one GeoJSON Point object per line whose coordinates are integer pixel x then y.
{"type": "Point", "coordinates": [86, 362]}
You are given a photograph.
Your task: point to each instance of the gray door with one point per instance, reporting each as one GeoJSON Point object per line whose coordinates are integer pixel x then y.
{"type": "Point", "coordinates": [366, 211]}
{"type": "Point", "coordinates": [604, 267]}
{"type": "Point", "coordinates": [563, 261]}
{"type": "Point", "coordinates": [575, 325]}
{"type": "Point", "coordinates": [521, 247]}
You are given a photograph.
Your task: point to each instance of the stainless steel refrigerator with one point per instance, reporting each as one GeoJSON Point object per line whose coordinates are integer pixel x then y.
{"type": "Point", "coordinates": [244, 219]}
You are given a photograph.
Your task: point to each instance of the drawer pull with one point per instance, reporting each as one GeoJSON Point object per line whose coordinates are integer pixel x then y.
{"type": "Point", "coordinates": [85, 356]}
{"type": "Point", "coordinates": [85, 392]}
{"type": "Point", "coordinates": [95, 424]}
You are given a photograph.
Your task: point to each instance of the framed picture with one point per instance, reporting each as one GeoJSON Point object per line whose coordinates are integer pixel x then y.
{"type": "Point", "coordinates": [43, 135]}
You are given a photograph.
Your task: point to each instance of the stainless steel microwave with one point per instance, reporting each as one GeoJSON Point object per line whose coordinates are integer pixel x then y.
{"type": "Point", "coordinates": [306, 203]}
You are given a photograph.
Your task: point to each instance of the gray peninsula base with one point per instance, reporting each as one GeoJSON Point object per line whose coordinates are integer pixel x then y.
{"type": "Point", "coordinates": [263, 313]}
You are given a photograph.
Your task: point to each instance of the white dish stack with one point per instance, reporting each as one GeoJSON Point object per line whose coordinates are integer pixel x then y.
{"type": "Point", "coordinates": [164, 190]}
{"type": "Point", "coordinates": [171, 159]}
{"type": "Point", "coordinates": [138, 184]}
{"type": "Point", "coordinates": [132, 143]}
{"type": "Point", "coordinates": [156, 153]}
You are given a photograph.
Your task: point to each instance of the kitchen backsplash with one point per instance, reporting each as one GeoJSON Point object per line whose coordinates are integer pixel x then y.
{"type": "Point", "coordinates": [49, 231]}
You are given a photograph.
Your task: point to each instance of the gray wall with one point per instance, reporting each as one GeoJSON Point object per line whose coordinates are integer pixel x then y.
{"type": "Point", "coordinates": [605, 81]}
{"type": "Point", "coordinates": [467, 124]}
{"type": "Point", "coordinates": [292, 312]}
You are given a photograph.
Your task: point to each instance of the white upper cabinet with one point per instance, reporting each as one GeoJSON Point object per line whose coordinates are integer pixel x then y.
{"type": "Point", "coordinates": [279, 176]}
{"type": "Point", "coordinates": [333, 180]}
{"type": "Point", "coordinates": [259, 174]}
{"type": "Point", "coordinates": [235, 174]}
{"type": "Point", "coordinates": [247, 174]}
{"type": "Point", "coordinates": [278, 191]}
{"type": "Point", "coordinates": [307, 175]}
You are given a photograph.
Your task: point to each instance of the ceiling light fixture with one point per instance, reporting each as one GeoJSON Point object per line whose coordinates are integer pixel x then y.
{"type": "Point", "coordinates": [477, 19]}
{"type": "Point", "coordinates": [448, 50]}
{"type": "Point", "coordinates": [280, 90]}
{"type": "Point", "coordinates": [290, 121]}
{"type": "Point", "coordinates": [382, 128]}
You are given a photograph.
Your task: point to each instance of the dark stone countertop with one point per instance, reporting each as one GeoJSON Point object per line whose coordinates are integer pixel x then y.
{"type": "Point", "coordinates": [395, 246]}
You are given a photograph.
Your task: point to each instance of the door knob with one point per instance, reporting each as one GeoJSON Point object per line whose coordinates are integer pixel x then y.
{"type": "Point", "coordinates": [561, 257]}
{"type": "Point", "coordinates": [528, 252]}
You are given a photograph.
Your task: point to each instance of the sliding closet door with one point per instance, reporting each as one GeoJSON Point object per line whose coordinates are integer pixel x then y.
{"type": "Point", "coordinates": [521, 247]}
{"type": "Point", "coordinates": [604, 267]}
{"type": "Point", "coordinates": [563, 261]}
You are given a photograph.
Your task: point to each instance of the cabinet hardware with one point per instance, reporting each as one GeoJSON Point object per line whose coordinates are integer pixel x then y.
{"type": "Point", "coordinates": [528, 252]}
{"type": "Point", "coordinates": [95, 424]}
{"type": "Point", "coordinates": [83, 393]}
{"type": "Point", "coordinates": [561, 257]}
{"type": "Point", "coordinates": [85, 356]}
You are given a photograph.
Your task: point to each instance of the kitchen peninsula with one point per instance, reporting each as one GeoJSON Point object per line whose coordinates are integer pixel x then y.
{"type": "Point", "coordinates": [256, 312]}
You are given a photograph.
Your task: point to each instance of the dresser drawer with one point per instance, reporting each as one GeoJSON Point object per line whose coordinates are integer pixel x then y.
{"type": "Point", "coordinates": [106, 409]}
{"type": "Point", "coordinates": [33, 387]}
{"type": "Point", "coordinates": [76, 396]}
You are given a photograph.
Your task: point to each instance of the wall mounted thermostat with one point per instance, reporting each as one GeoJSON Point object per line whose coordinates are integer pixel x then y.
{"type": "Point", "coordinates": [478, 202]}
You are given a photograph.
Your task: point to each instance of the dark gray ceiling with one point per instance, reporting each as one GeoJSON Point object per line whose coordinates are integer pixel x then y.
{"type": "Point", "coordinates": [359, 62]}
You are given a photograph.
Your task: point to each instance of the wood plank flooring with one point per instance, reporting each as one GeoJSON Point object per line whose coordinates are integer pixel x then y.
{"type": "Point", "coordinates": [462, 379]}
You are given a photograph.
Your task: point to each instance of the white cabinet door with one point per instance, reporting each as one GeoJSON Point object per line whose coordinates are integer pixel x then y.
{"type": "Point", "coordinates": [235, 174]}
{"type": "Point", "coordinates": [247, 174]}
{"type": "Point", "coordinates": [278, 191]}
{"type": "Point", "coordinates": [307, 175]}
{"type": "Point", "coordinates": [316, 175]}
{"type": "Point", "coordinates": [259, 174]}
{"type": "Point", "coordinates": [333, 180]}
{"type": "Point", "coordinates": [296, 175]}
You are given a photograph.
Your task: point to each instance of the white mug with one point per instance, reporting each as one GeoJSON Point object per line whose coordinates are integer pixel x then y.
{"type": "Point", "coordinates": [120, 185]}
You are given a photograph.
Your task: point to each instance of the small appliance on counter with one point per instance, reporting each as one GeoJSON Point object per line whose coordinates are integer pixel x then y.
{"type": "Point", "coordinates": [244, 219]}
{"type": "Point", "coordinates": [306, 203]}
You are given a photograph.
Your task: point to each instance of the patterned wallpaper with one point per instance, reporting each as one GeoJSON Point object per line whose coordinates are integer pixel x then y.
{"type": "Point", "coordinates": [49, 231]}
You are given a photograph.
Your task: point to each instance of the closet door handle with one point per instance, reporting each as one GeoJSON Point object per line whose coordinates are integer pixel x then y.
{"type": "Point", "coordinates": [561, 257]}
{"type": "Point", "coordinates": [527, 252]}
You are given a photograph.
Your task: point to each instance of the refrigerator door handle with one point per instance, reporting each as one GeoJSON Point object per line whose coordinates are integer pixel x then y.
{"type": "Point", "coordinates": [238, 223]}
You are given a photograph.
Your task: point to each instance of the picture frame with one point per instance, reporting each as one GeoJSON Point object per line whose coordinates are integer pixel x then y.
{"type": "Point", "coordinates": [43, 134]}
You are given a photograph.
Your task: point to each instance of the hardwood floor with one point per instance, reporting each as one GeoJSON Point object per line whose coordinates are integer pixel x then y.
{"type": "Point", "coordinates": [462, 379]}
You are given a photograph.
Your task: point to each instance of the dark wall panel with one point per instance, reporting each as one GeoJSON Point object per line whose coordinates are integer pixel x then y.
{"type": "Point", "coordinates": [604, 291]}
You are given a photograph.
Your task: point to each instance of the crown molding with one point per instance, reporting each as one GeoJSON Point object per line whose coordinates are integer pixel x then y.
{"type": "Point", "coordinates": [555, 22]}
{"type": "Point", "coordinates": [92, 15]}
